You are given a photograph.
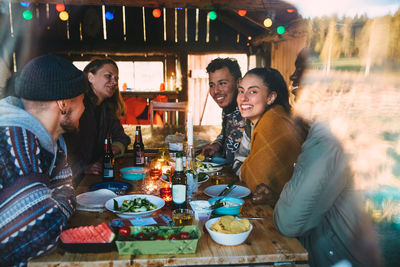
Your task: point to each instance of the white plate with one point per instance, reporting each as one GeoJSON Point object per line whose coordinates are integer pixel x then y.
{"type": "Point", "coordinates": [153, 199]}
{"type": "Point", "coordinates": [238, 192]}
{"type": "Point", "coordinates": [208, 170]}
{"type": "Point", "coordinates": [211, 163]}
{"type": "Point", "coordinates": [95, 199]}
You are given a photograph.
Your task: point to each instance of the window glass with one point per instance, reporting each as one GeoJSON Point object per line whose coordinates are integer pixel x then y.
{"type": "Point", "coordinates": [148, 75]}
{"type": "Point", "coordinates": [137, 76]}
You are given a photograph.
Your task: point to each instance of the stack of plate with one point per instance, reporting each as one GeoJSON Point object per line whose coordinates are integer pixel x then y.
{"type": "Point", "coordinates": [94, 200]}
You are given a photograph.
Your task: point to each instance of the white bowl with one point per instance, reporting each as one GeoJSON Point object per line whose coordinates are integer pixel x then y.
{"type": "Point", "coordinates": [153, 199]}
{"type": "Point", "coordinates": [226, 239]}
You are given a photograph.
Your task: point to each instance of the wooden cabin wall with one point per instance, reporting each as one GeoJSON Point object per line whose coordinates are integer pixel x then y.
{"type": "Point", "coordinates": [82, 37]}
{"type": "Point", "coordinates": [283, 56]}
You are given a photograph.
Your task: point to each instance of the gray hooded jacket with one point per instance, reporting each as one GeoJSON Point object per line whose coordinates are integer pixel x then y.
{"type": "Point", "coordinates": [319, 205]}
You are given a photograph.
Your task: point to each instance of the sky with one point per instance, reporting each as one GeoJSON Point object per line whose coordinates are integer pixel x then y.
{"type": "Point", "coordinates": [373, 8]}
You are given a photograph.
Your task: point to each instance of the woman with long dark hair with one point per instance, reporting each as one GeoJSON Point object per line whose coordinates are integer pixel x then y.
{"type": "Point", "coordinates": [275, 143]}
{"type": "Point", "coordinates": [103, 108]}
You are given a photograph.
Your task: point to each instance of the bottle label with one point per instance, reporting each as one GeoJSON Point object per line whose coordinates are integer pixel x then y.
{"type": "Point", "coordinates": [178, 193]}
{"type": "Point", "coordinates": [179, 164]}
{"type": "Point", "coordinates": [140, 157]}
{"type": "Point", "coordinates": [108, 173]}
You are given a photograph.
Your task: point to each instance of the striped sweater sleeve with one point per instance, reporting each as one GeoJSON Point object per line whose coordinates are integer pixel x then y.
{"type": "Point", "coordinates": [34, 206]}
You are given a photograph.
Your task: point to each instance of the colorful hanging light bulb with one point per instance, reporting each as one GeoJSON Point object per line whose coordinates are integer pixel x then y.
{"type": "Point", "coordinates": [156, 13]}
{"type": "Point", "coordinates": [281, 29]}
{"type": "Point", "coordinates": [109, 15]}
{"type": "Point", "coordinates": [212, 15]}
{"type": "Point", "coordinates": [290, 10]}
{"type": "Point", "coordinates": [60, 7]}
{"type": "Point", "coordinates": [24, 4]}
{"type": "Point", "coordinates": [242, 12]}
{"type": "Point", "coordinates": [268, 22]}
{"type": "Point", "coordinates": [63, 15]}
{"type": "Point", "coordinates": [27, 15]}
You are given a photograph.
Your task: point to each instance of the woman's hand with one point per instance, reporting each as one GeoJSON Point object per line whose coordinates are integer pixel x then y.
{"type": "Point", "coordinates": [95, 168]}
{"type": "Point", "coordinates": [262, 195]}
{"type": "Point", "coordinates": [116, 150]}
{"type": "Point", "coordinates": [210, 149]}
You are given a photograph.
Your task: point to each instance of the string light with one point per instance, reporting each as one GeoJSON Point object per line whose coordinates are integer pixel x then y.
{"type": "Point", "coordinates": [212, 15]}
{"type": "Point", "coordinates": [281, 29]}
{"type": "Point", "coordinates": [268, 22]}
{"type": "Point", "coordinates": [60, 7]}
{"type": "Point", "coordinates": [27, 14]}
{"type": "Point", "coordinates": [109, 15]}
{"type": "Point", "coordinates": [242, 12]}
{"type": "Point", "coordinates": [290, 10]}
{"type": "Point", "coordinates": [63, 15]}
{"type": "Point", "coordinates": [156, 13]}
{"type": "Point", "coordinates": [24, 4]}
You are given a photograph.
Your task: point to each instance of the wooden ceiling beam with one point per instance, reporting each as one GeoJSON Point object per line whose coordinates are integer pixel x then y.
{"type": "Point", "coordinates": [236, 23]}
{"type": "Point", "coordinates": [296, 29]}
{"type": "Point", "coordinates": [249, 5]}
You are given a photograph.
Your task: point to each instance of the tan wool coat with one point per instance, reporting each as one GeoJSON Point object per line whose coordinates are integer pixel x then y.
{"type": "Point", "coordinates": [275, 146]}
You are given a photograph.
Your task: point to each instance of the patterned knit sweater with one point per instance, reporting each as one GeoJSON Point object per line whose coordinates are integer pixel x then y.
{"type": "Point", "coordinates": [36, 196]}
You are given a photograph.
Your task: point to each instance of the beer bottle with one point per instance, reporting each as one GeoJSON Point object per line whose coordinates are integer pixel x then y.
{"type": "Point", "coordinates": [138, 148]}
{"type": "Point", "coordinates": [108, 160]}
{"type": "Point", "coordinates": [179, 185]}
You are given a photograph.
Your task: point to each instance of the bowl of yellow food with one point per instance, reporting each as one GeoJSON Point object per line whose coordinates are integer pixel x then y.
{"type": "Point", "coordinates": [229, 230]}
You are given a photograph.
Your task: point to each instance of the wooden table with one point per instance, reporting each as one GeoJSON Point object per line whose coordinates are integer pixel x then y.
{"type": "Point", "coordinates": [264, 245]}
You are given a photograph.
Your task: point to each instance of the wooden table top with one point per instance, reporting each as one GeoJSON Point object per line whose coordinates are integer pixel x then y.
{"type": "Point", "coordinates": [264, 245]}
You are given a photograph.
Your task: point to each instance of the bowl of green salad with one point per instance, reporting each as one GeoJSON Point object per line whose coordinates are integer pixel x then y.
{"type": "Point", "coordinates": [137, 205]}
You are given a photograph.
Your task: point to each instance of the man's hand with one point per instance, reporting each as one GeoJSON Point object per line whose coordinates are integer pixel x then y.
{"type": "Point", "coordinates": [262, 195]}
{"type": "Point", "coordinates": [210, 149]}
{"type": "Point", "coordinates": [95, 168]}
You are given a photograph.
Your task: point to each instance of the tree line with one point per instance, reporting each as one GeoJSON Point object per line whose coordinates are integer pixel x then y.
{"type": "Point", "coordinates": [375, 41]}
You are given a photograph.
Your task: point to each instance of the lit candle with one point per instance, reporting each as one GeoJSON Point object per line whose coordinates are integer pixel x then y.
{"type": "Point", "coordinates": [166, 194]}
{"type": "Point", "coordinates": [158, 165]}
{"type": "Point", "coordinates": [166, 169]}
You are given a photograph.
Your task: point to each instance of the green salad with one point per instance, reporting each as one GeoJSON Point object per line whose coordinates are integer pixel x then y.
{"type": "Point", "coordinates": [135, 205]}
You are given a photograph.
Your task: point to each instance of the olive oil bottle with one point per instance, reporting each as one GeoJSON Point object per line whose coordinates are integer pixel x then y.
{"type": "Point", "coordinates": [179, 184]}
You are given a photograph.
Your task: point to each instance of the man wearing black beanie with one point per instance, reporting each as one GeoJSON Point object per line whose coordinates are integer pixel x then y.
{"type": "Point", "coordinates": [36, 194]}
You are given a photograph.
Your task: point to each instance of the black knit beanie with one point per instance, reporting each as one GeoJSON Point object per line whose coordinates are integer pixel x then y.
{"type": "Point", "coordinates": [48, 78]}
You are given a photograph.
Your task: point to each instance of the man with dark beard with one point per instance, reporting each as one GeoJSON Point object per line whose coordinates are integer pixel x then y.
{"type": "Point", "coordinates": [36, 194]}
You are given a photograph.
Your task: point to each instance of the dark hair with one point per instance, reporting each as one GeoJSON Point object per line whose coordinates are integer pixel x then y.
{"type": "Point", "coordinates": [230, 63]}
{"type": "Point", "coordinates": [275, 83]}
{"type": "Point", "coordinates": [115, 103]}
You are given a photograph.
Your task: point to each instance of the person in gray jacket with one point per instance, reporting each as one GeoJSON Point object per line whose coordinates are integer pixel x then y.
{"type": "Point", "coordinates": [319, 205]}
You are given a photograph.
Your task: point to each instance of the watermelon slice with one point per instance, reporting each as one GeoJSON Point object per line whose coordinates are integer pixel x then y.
{"type": "Point", "coordinates": [101, 233]}
{"type": "Point", "coordinates": [66, 237]}
{"type": "Point", "coordinates": [106, 232]}
{"type": "Point", "coordinates": [96, 235]}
